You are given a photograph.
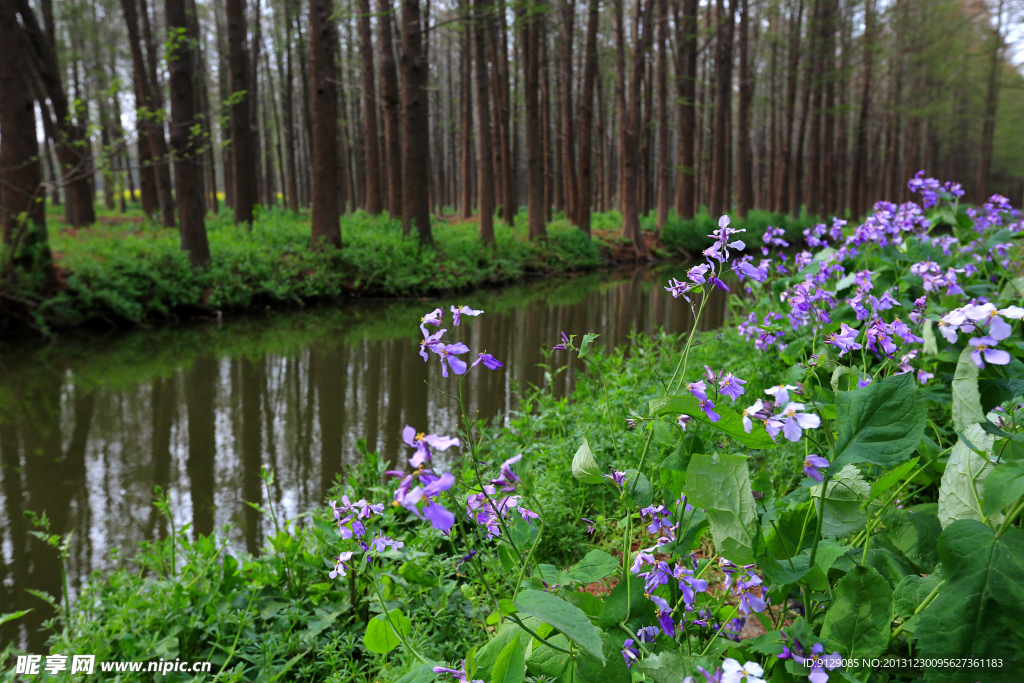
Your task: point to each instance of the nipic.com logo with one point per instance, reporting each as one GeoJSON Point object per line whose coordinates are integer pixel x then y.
{"type": "Point", "coordinates": [31, 665]}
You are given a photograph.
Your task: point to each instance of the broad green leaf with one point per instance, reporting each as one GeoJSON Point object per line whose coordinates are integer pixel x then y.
{"type": "Point", "coordinates": [510, 667]}
{"type": "Point", "coordinates": [915, 532]}
{"type": "Point", "coordinates": [689, 535]}
{"type": "Point", "coordinates": [487, 655]}
{"type": "Point", "coordinates": [720, 484]}
{"type": "Point", "coordinates": [419, 673]}
{"type": "Point", "coordinates": [612, 670]}
{"type": "Point", "coordinates": [588, 338]}
{"type": "Point", "coordinates": [595, 566]}
{"type": "Point", "coordinates": [1003, 486]}
{"type": "Point", "coordinates": [931, 345]}
{"type": "Point", "coordinates": [891, 478]}
{"type": "Point", "coordinates": [637, 488]}
{"type": "Point", "coordinates": [666, 667]}
{"type": "Point", "coordinates": [828, 552]}
{"type": "Point", "coordinates": [911, 592]}
{"type": "Point", "coordinates": [881, 423]}
{"type": "Point", "coordinates": [11, 616]}
{"type": "Point", "coordinates": [966, 397]}
{"type": "Point", "coordinates": [380, 634]}
{"type": "Point", "coordinates": [588, 602]}
{"type": "Point", "coordinates": [566, 617]}
{"type": "Point", "coordinates": [730, 423]}
{"type": "Point", "coordinates": [857, 622]}
{"type": "Point", "coordinates": [847, 491]}
{"type": "Point", "coordinates": [615, 605]}
{"type": "Point", "coordinates": [664, 434]}
{"type": "Point", "coordinates": [547, 661]}
{"type": "Point", "coordinates": [584, 466]}
{"type": "Point", "coordinates": [964, 478]}
{"type": "Point", "coordinates": [997, 391]}
{"type": "Point", "coordinates": [977, 611]}
{"type": "Point", "coordinates": [784, 572]}
{"type": "Point", "coordinates": [838, 374]}
{"type": "Point", "coordinates": [888, 561]}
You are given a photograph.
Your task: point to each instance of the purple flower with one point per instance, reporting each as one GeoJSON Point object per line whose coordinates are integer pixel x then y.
{"type": "Point", "coordinates": [664, 615]}
{"type": "Point", "coordinates": [984, 352]}
{"type": "Point", "coordinates": [698, 389]}
{"type": "Point", "coordinates": [683, 421]}
{"type": "Point", "coordinates": [423, 442]}
{"type": "Point", "coordinates": [590, 526]}
{"type": "Point", "coordinates": [732, 386]}
{"type": "Point", "coordinates": [780, 393]}
{"type": "Point", "coordinates": [381, 542]}
{"type": "Point", "coordinates": [923, 376]}
{"type": "Point", "coordinates": [459, 311]}
{"type": "Point", "coordinates": [629, 653]}
{"type": "Point", "coordinates": [448, 355]}
{"type": "Point", "coordinates": [488, 360]}
{"type": "Point", "coordinates": [689, 585]}
{"type": "Point", "coordinates": [431, 343]}
{"type": "Point", "coordinates": [433, 318]}
{"type": "Point", "coordinates": [340, 565]}
{"type": "Point", "coordinates": [818, 664]}
{"type": "Point", "coordinates": [678, 289]}
{"type": "Point", "coordinates": [792, 421]}
{"type": "Point", "coordinates": [734, 672]}
{"type": "Point", "coordinates": [439, 516]}
{"type": "Point", "coordinates": [750, 413]}
{"type": "Point", "coordinates": [903, 332]}
{"type": "Point", "coordinates": [987, 316]}
{"type": "Point", "coordinates": [508, 478]}
{"type": "Point", "coordinates": [709, 409]}
{"type": "Point", "coordinates": [564, 346]}
{"type": "Point", "coordinates": [845, 340]}
{"type": "Point", "coordinates": [458, 674]}
{"type": "Point", "coordinates": [813, 466]}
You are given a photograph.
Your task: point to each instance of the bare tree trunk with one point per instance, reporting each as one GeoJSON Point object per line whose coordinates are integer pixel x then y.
{"type": "Point", "coordinates": [723, 109]}
{"type": "Point", "coordinates": [784, 163]}
{"type": "Point", "coordinates": [323, 39]}
{"type": "Point", "coordinates": [530, 35]}
{"type": "Point", "coordinates": [22, 203]}
{"type": "Point", "coordinates": [858, 181]}
{"type": "Point", "coordinates": [745, 157]}
{"type": "Point", "coordinates": [288, 111]}
{"type": "Point", "coordinates": [631, 129]}
{"type": "Point", "coordinates": [187, 152]}
{"type": "Point", "coordinates": [415, 129]}
{"type": "Point", "coordinates": [587, 120]}
{"type": "Point", "coordinates": [568, 139]}
{"type": "Point", "coordinates": [466, 119]}
{"type": "Point", "coordinates": [485, 158]}
{"type": "Point", "coordinates": [686, 91]}
{"type": "Point", "coordinates": [374, 199]}
{"type": "Point", "coordinates": [162, 157]}
{"type": "Point", "coordinates": [664, 167]}
{"type": "Point", "coordinates": [392, 110]}
{"type": "Point", "coordinates": [991, 104]}
{"type": "Point", "coordinates": [241, 98]}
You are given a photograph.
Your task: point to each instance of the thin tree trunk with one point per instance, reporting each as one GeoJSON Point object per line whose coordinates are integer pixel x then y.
{"type": "Point", "coordinates": [484, 159]}
{"type": "Point", "coordinates": [723, 109]}
{"type": "Point", "coordinates": [241, 99]}
{"type": "Point", "coordinates": [392, 109]}
{"type": "Point", "coordinates": [587, 120]}
{"type": "Point", "coordinates": [374, 198]}
{"type": "Point", "coordinates": [288, 112]}
{"type": "Point", "coordinates": [187, 152]}
{"type": "Point", "coordinates": [686, 89]}
{"type": "Point", "coordinates": [326, 214]}
{"type": "Point", "coordinates": [416, 128]}
{"type": "Point", "coordinates": [664, 166]}
{"type": "Point", "coordinates": [161, 158]}
{"type": "Point", "coordinates": [568, 139]}
{"type": "Point", "coordinates": [631, 129]}
{"type": "Point", "coordinates": [530, 36]}
{"type": "Point", "coordinates": [991, 104]}
{"type": "Point", "coordinates": [858, 181]}
{"type": "Point", "coordinates": [466, 119]}
{"type": "Point", "coordinates": [744, 155]}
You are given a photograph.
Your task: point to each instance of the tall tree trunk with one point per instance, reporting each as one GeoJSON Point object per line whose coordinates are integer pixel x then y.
{"type": "Point", "coordinates": [723, 108]}
{"type": "Point", "coordinates": [664, 167]}
{"type": "Point", "coordinates": [858, 181]}
{"type": "Point", "coordinates": [326, 213]}
{"type": "Point", "coordinates": [416, 127]}
{"type": "Point", "coordinates": [991, 103]}
{"type": "Point", "coordinates": [374, 199]}
{"type": "Point", "coordinates": [686, 90]}
{"type": "Point", "coordinates": [187, 150]}
{"type": "Point", "coordinates": [485, 158]}
{"type": "Point", "coordinates": [288, 113]}
{"type": "Point", "coordinates": [22, 203]}
{"type": "Point", "coordinates": [744, 155]}
{"type": "Point", "coordinates": [631, 129]}
{"type": "Point", "coordinates": [530, 36]}
{"type": "Point", "coordinates": [241, 99]}
{"type": "Point", "coordinates": [586, 182]}
{"type": "Point", "coordinates": [568, 138]}
{"type": "Point", "coordinates": [784, 186]}
{"type": "Point", "coordinates": [466, 119]}
{"type": "Point", "coordinates": [256, 131]}
{"type": "Point", "coordinates": [392, 109]}
{"type": "Point", "coordinates": [162, 157]}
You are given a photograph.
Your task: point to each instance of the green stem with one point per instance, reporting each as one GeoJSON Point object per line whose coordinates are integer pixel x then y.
{"type": "Point", "coordinates": [920, 608]}
{"type": "Point", "coordinates": [387, 617]}
{"type": "Point", "coordinates": [1010, 517]}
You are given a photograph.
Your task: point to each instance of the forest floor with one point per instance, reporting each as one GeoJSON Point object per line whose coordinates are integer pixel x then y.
{"type": "Point", "coordinates": [125, 270]}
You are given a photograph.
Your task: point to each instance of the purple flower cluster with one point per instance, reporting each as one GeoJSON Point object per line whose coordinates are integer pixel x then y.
{"type": "Point", "coordinates": [458, 675]}
{"type": "Point", "coordinates": [489, 509]}
{"type": "Point", "coordinates": [818, 662]}
{"type": "Point", "coordinates": [449, 353]}
{"type": "Point", "coordinates": [932, 190]}
{"type": "Point", "coordinates": [418, 491]}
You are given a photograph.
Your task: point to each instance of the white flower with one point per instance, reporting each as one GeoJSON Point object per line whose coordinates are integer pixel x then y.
{"type": "Point", "coordinates": [734, 672]}
{"type": "Point", "coordinates": [780, 393]}
{"type": "Point", "coordinates": [1013, 312]}
{"type": "Point", "coordinates": [749, 413]}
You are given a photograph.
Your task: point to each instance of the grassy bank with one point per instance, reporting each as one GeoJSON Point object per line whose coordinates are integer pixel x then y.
{"type": "Point", "coordinates": [126, 269]}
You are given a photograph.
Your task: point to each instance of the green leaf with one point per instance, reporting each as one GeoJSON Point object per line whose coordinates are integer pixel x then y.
{"type": "Point", "coordinates": [720, 484]}
{"type": "Point", "coordinates": [11, 616]}
{"type": "Point", "coordinates": [847, 492]}
{"type": "Point", "coordinates": [891, 478]}
{"type": "Point", "coordinates": [730, 423]}
{"type": "Point", "coordinates": [612, 670]}
{"type": "Point", "coordinates": [488, 654]}
{"type": "Point", "coordinates": [588, 338]}
{"type": "Point", "coordinates": [584, 466]}
{"type": "Point", "coordinates": [615, 611]}
{"type": "Point", "coordinates": [510, 667]}
{"type": "Point", "coordinates": [547, 661]}
{"type": "Point", "coordinates": [966, 397]}
{"type": "Point", "coordinates": [997, 391]}
{"type": "Point", "coordinates": [595, 566]}
{"type": "Point", "coordinates": [1003, 486]}
{"type": "Point", "coordinates": [665, 667]}
{"type": "Point", "coordinates": [911, 592]}
{"type": "Point", "coordinates": [564, 616]}
{"type": "Point", "coordinates": [380, 635]}
{"type": "Point", "coordinates": [857, 623]}
{"type": "Point", "coordinates": [422, 673]}
{"type": "Point", "coordinates": [915, 532]}
{"type": "Point", "coordinates": [828, 552]}
{"type": "Point", "coordinates": [977, 611]}
{"type": "Point", "coordinates": [964, 478]}
{"type": "Point", "coordinates": [637, 488]}
{"type": "Point", "coordinates": [881, 423]}
{"type": "Point", "coordinates": [664, 434]}
{"type": "Point", "coordinates": [784, 572]}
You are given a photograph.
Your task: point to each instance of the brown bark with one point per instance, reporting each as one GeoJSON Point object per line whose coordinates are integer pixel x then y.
{"type": "Point", "coordinates": [991, 104]}
{"type": "Point", "coordinates": [568, 138]}
{"type": "Point", "coordinates": [241, 96]}
{"type": "Point", "coordinates": [784, 163]}
{"type": "Point", "coordinates": [718, 203]}
{"type": "Point", "coordinates": [744, 154]}
{"type": "Point", "coordinates": [187, 148]}
{"type": "Point", "coordinates": [161, 160]}
{"type": "Point", "coordinates": [415, 128]}
{"type": "Point", "coordinates": [288, 114]}
{"type": "Point", "coordinates": [858, 181]}
{"type": "Point", "coordinates": [484, 160]}
{"type": "Point", "coordinates": [530, 36]}
{"type": "Point", "coordinates": [374, 198]}
{"type": "Point", "coordinates": [586, 182]}
{"type": "Point", "coordinates": [326, 214]}
{"type": "Point", "coordinates": [466, 120]}
{"type": "Point", "coordinates": [686, 92]}
{"type": "Point", "coordinates": [22, 214]}
{"type": "Point", "coordinates": [664, 165]}
{"type": "Point", "coordinates": [631, 129]}
{"type": "Point", "coordinates": [392, 110]}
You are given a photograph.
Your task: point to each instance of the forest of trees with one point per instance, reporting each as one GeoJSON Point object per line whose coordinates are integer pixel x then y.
{"type": "Point", "coordinates": [479, 107]}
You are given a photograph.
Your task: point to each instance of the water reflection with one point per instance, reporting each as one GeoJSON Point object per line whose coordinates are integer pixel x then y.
{"type": "Point", "coordinates": [89, 427]}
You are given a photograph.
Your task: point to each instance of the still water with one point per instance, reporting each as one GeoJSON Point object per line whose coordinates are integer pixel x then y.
{"type": "Point", "coordinates": [89, 426]}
